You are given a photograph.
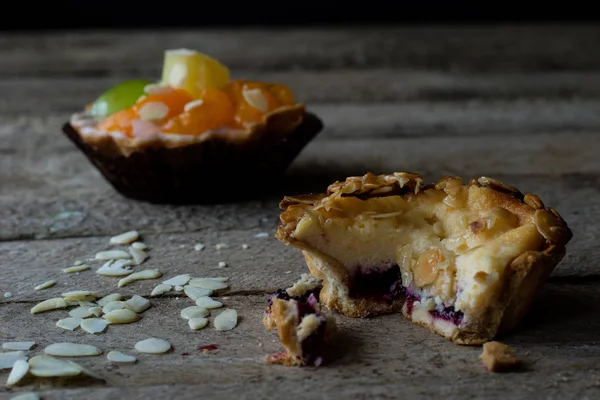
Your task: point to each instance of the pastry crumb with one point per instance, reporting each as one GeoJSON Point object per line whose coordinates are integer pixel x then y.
{"type": "Point", "coordinates": [498, 357]}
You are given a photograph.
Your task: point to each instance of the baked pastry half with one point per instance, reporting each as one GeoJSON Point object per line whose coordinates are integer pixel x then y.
{"type": "Point", "coordinates": [304, 328]}
{"type": "Point", "coordinates": [464, 260]}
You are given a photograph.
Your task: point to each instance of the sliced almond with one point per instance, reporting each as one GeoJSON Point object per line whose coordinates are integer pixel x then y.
{"type": "Point", "coordinates": [153, 111]}
{"type": "Point", "coordinates": [139, 256]}
{"type": "Point", "coordinates": [46, 366]}
{"type": "Point", "coordinates": [136, 276]}
{"type": "Point", "coordinates": [18, 372]}
{"type": "Point", "coordinates": [115, 268]}
{"type": "Point", "coordinates": [94, 325]}
{"type": "Point", "coordinates": [81, 312]}
{"type": "Point", "coordinates": [70, 323]}
{"type": "Point", "coordinates": [222, 264]}
{"type": "Point", "coordinates": [26, 396]}
{"type": "Point", "coordinates": [160, 289]}
{"type": "Point", "coordinates": [123, 316]}
{"type": "Point", "coordinates": [96, 311]}
{"type": "Point", "coordinates": [67, 349]}
{"type": "Point", "coordinates": [199, 247]}
{"type": "Point", "coordinates": [139, 246]}
{"type": "Point", "coordinates": [109, 298]}
{"type": "Point", "coordinates": [207, 302]}
{"type": "Point", "coordinates": [178, 288]}
{"type": "Point", "coordinates": [194, 312]}
{"type": "Point", "coordinates": [49, 305]}
{"type": "Point", "coordinates": [194, 292]}
{"type": "Point", "coordinates": [87, 304]}
{"type": "Point", "coordinates": [112, 255]}
{"type": "Point", "coordinates": [45, 285]}
{"type": "Point", "coordinates": [113, 305]}
{"type": "Point", "coordinates": [256, 99]}
{"type": "Point", "coordinates": [197, 323]}
{"type": "Point", "coordinates": [192, 104]}
{"type": "Point", "coordinates": [262, 235]}
{"type": "Point", "coordinates": [226, 321]}
{"type": "Point", "coordinates": [245, 246]}
{"type": "Point", "coordinates": [220, 246]}
{"type": "Point", "coordinates": [121, 358]}
{"type": "Point", "coordinates": [18, 345]}
{"type": "Point", "coordinates": [8, 359]}
{"type": "Point", "coordinates": [153, 346]}
{"type": "Point", "coordinates": [76, 268]}
{"type": "Point", "coordinates": [178, 280]}
{"type": "Point", "coordinates": [220, 278]}
{"type": "Point", "coordinates": [125, 238]}
{"type": "Point", "coordinates": [85, 370]}
{"type": "Point", "coordinates": [205, 283]}
{"type": "Point", "coordinates": [137, 304]}
{"type": "Point", "coordinates": [78, 295]}
{"type": "Point", "coordinates": [78, 262]}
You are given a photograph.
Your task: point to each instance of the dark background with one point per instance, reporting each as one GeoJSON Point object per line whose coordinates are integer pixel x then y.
{"type": "Point", "coordinates": [255, 13]}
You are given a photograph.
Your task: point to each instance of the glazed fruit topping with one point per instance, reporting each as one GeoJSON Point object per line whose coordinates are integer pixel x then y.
{"type": "Point", "coordinates": [194, 96]}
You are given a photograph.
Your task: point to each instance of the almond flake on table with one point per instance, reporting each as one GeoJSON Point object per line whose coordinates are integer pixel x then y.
{"type": "Point", "coordinates": [18, 372]}
{"type": "Point", "coordinates": [193, 292]}
{"type": "Point", "coordinates": [109, 298]}
{"type": "Point", "coordinates": [245, 246]}
{"type": "Point", "coordinates": [49, 305]}
{"type": "Point", "coordinates": [197, 323]}
{"type": "Point", "coordinates": [67, 349]}
{"type": "Point", "coordinates": [78, 295]}
{"type": "Point", "coordinates": [137, 304]}
{"type": "Point", "coordinates": [47, 367]}
{"type": "Point", "coordinates": [94, 325]}
{"type": "Point", "coordinates": [199, 247]}
{"type": "Point", "coordinates": [75, 268]}
{"type": "Point", "coordinates": [160, 289]}
{"type": "Point", "coordinates": [26, 396]}
{"type": "Point", "coordinates": [112, 255]}
{"type": "Point", "coordinates": [194, 312]}
{"type": "Point", "coordinates": [122, 316]}
{"type": "Point", "coordinates": [139, 246]}
{"type": "Point", "coordinates": [125, 238]}
{"type": "Point", "coordinates": [81, 312]}
{"type": "Point", "coordinates": [220, 246]}
{"type": "Point", "coordinates": [139, 256]}
{"type": "Point", "coordinates": [141, 275]}
{"type": "Point", "coordinates": [8, 359]}
{"type": "Point", "coordinates": [153, 346]}
{"type": "Point", "coordinates": [18, 345]}
{"type": "Point", "coordinates": [115, 268]}
{"type": "Point", "coordinates": [45, 285]}
{"type": "Point", "coordinates": [113, 305]}
{"type": "Point", "coordinates": [226, 321]}
{"type": "Point", "coordinates": [121, 358]}
{"type": "Point", "coordinates": [178, 280]}
{"type": "Point", "coordinates": [222, 264]}
{"type": "Point", "coordinates": [206, 283]}
{"type": "Point", "coordinates": [262, 235]}
{"type": "Point", "coordinates": [70, 323]}
{"type": "Point", "coordinates": [207, 302]}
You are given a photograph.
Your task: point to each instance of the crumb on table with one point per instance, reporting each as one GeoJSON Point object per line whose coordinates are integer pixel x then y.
{"type": "Point", "coordinates": [498, 357]}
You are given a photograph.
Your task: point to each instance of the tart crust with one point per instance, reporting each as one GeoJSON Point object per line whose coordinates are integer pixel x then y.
{"type": "Point", "coordinates": [538, 242]}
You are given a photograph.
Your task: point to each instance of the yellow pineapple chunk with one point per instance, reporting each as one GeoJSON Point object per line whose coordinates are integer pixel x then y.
{"type": "Point", "coordinates": [193, 71]}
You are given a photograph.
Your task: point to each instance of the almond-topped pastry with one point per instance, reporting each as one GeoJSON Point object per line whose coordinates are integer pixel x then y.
{"type": "Point", "coordinates": [304, 328]}
{"type": "Point", "coordinates": [464, 260]}
{"type": "Point", "coordinates": [186, 137]}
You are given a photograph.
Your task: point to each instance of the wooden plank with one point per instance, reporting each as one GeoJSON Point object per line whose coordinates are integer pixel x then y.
{"type": "Point", "coordinates": [508, 47]}
{"type": "Point", "coordinates": [371, 357]}
{"type": "Point", "coordinates": [31, 96]}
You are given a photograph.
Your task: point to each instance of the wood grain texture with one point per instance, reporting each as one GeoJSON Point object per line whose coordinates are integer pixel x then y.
{"type": "Point", "coordinates": [505, 48]}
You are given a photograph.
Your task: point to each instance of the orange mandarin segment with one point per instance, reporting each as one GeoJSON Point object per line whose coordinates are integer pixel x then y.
{"type": "Point", "coordinates": [212, 110]}
{"type": "Point", "coordinates": [163, 106]}
{"type": "Point", "coordinates": [119, 122]}
{"type": "Point", "coordinates": [253, 101]}
{"type": "Point", "coordinates": [282, 93]}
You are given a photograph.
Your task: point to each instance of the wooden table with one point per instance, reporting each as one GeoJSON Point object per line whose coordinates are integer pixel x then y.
{"type": "Point", "coordinates": [521, 104]}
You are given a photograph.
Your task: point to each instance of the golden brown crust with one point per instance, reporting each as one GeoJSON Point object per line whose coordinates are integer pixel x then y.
{"type": "Point", "coordinates": [281, 121]}
{"type": "Point", "coordinates": [525, 274]}
{"type": "Point", "coordinates": [498, 357]}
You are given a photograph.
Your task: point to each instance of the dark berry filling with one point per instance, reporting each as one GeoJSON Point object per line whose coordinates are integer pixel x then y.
{"type": "Point", "coordinates": [447, 313]}
{"type": "Point", "coordinates": [283, 295]}
{"type": "Point", "coordinates": [380, 283]}
{"type": "Point", "coordinates": [314, 345]}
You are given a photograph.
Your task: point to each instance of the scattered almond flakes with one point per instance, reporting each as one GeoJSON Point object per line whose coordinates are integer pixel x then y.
{"type": "Point", "coordinates": [194, 292]}
{"type": "Point", "coordinates": [245, 246]}
{"type": "Point", "coordinates": [226, 321]}
{"type": "Point", "coordinates": [220, 246]}
{"type": "Point", "coordinates": [145, 274]}
{"type": "Point", "coordinates": [197, 323]}
{"type": "Point", "coordinates": [81, 312]}
{"type": "Point", "coordinates": [18, 372]}
{"type": "Point", "coordinates": [78, 262]}
{"type": "Point", "coordinates": [199, 247]}
{"type": "Point", "coordinates": [70, 323]}
{"type": "Point", "coordinates": [109, 298]}
{"type": "Point", "coordinates": [194, 312]}
{"type": "Point", "coordinates": [207, 302]}
{"type": "Point", "coordinates": [45, 285]}
{"type": "Point", "coordinates": [153, 346]}
{"type": "Point", "coordinates": [139, 246]}
{"type": "Point", "coordinates": [222, 264]}
{"type": "Point", "coordinates": [122, 316]}
{"type": "Point", "coordinates": [67, 349]}
{"type": "Point", "coordinates": [115, 268]}
{"type": "Point", "coordinates": [125, 238]}
{"type": "Point", "coordinates": [46, 366]}
{"type": "Point", "coordinates": [206, 283]}
{"type": "Point", "coordinates": [121, 358]}
{"type": "Point", "coordinates": [18, 345]}
{"type": "Point", "coordinates": [112, 255]}
{"type": "Point", "coordinates": [160, 289]}
{"type": "Point", "coordinates": [178, 288]}
{"type": "Point", "coordinates": [139, 256]}
{"type": "Point", "coordinates": [137, 304]}
{"type": "Point", "coordinates": [48, 305]}
{"type": "Point", "coordinates": [7, 294]}
{"type": "Point", "coordinates": [498, 357]}
{"type": "Point", "coordinates": [255, 98]}
{"type": "Point", "coordinates": [76, 268]}
{"type": "Point", "coordinates": [96, 311]}
{"type": "Point", "coordinates": [178, 280]}
{"type": "Point", "coordinates": [8, 359]}
{"type": "Point", "coordinates": [262, 235]}
{"type": "Point", "coordinates": [94, 325]}
{"type": "Point", "coordinates": [113, 305]}
{"type": "Point", "coordinates": [78, 295]}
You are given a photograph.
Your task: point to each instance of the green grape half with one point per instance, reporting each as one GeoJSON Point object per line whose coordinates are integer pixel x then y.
{"type": "Point", "coordinates": [118, 98]}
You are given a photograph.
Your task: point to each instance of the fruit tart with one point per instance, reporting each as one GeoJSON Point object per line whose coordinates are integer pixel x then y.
{"type": "Point", "coordinates": [303, 326]}
{"type": "Point", "coordinates": [190, 136]}
{"type": "Point", "coordinates": [464, 260]}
